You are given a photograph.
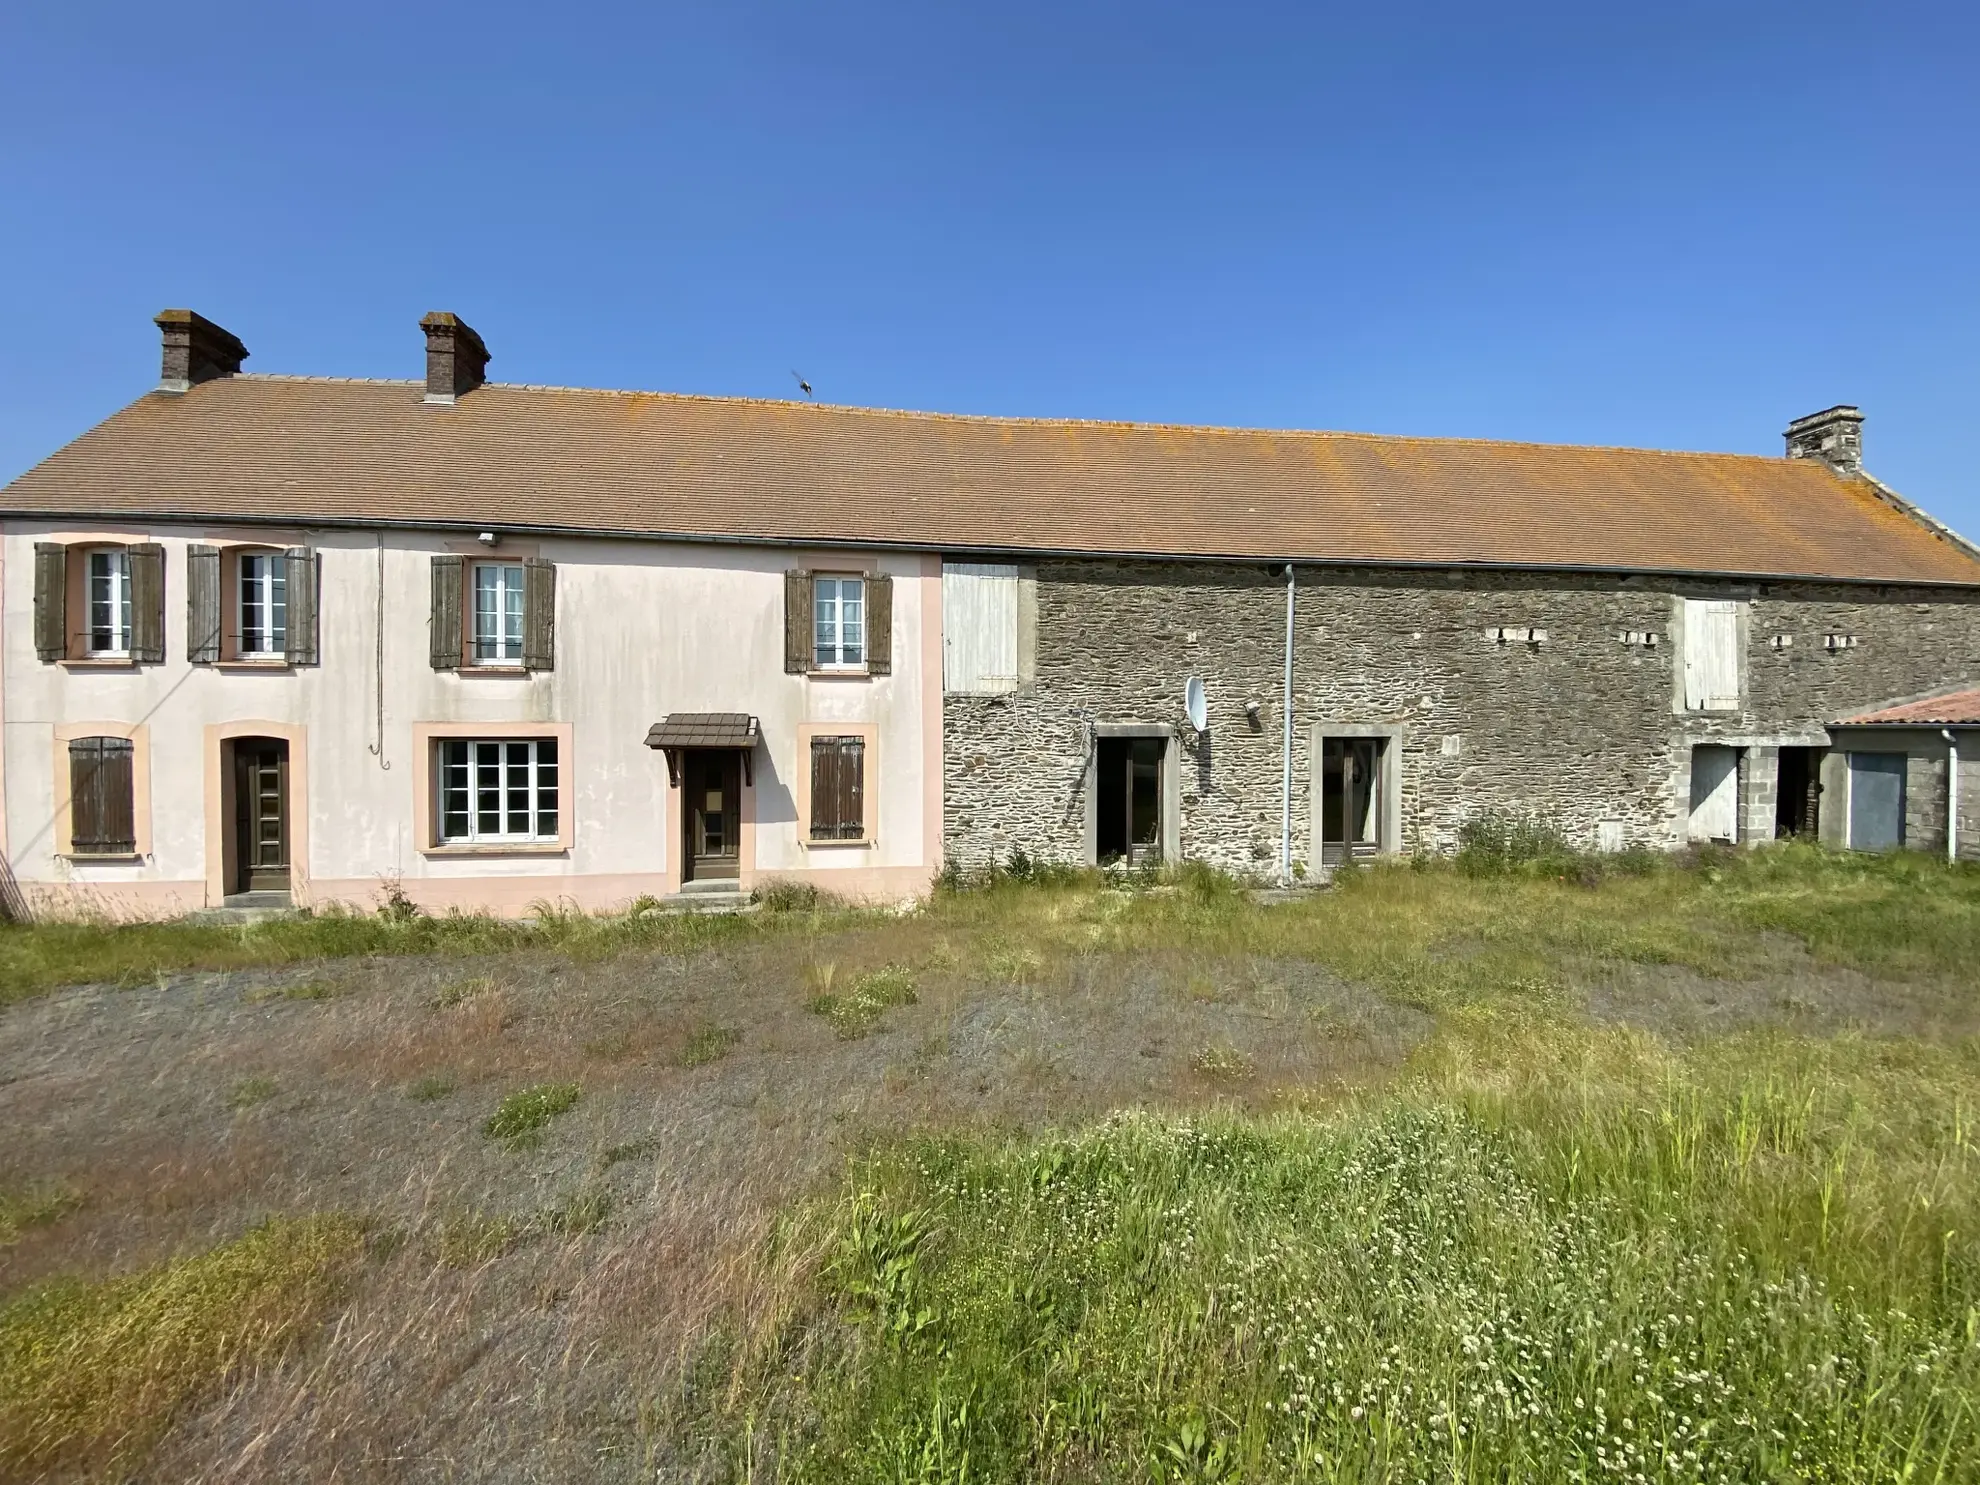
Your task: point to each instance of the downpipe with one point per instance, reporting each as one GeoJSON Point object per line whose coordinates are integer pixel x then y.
{"type": "Point", "coordinates": [1952, 793]}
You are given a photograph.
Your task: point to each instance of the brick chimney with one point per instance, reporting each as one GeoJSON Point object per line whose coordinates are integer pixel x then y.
{"type": "Point", "coordinates": [456, 358]}
{"type": "Point", "coordinates": [1835, 436]}
{"type": "Point", "coordinates": [196, 350]}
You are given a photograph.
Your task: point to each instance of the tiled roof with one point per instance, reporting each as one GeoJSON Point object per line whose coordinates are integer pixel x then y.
{"type": "Point", "coordinates": [704, 730]}
{"type": "Point", "coordinates": [1949, 709]}
{"type": "Point", "coordinates": [308, 451]}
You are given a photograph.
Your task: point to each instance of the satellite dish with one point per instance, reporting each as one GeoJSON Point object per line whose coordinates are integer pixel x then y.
{"type": "Point", "coordinates": [1194, 706]}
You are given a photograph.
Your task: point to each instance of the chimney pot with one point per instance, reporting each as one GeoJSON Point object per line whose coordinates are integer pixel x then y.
{"type": "Point", "coordinates": [195, 350]}
{"type": "Point", "coordinates": [1834, 435]}
{"type": "Point", "coordinates": [456, 358]}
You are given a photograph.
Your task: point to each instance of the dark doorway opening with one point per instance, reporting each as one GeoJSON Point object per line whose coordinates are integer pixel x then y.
{"type": "Point", "coordinates": [261, 815]}
{"type": "Point", "coordinates": [1350, 798]}
{"type": "Point", "coordinates": [711, 814]}
{"type": "Point", "coordinates": [1798, 794]}
{"type": "Point", "coordinates": [1127, 800]}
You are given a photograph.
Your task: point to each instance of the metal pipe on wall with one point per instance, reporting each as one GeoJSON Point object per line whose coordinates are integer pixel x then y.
{"type": "Point", "coordinates": [1285, 814]}
{"type": "Point", "coordinates": [1952, 793]}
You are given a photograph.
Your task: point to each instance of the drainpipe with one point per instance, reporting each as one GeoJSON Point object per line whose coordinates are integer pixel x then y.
{"type": "Point", "coordinates": [1285, 813]}
{"type": "Point", "coordinates": [1952, 793]}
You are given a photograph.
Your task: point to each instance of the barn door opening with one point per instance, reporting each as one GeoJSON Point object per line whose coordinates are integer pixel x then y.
{"type": "Point", "coordinates": [1128, 800]}
{"type": "Point", "coordinates": [1798, 794]}
{"type": "Point", "coordinates": [1350, 798]}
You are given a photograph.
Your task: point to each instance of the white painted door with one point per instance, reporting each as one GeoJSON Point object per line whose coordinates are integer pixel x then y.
{"type": "Point", "coordinates": [1715, 794]}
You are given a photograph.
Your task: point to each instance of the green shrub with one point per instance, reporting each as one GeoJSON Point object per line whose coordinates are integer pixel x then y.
{"type": "Point", "coordinates": [1502, 840]}
{"type": "Point", "coordinates": [520, 1119]}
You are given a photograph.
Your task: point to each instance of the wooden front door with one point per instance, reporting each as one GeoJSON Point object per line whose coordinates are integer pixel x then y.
{"type": "Point", "coordinates": [711, 812]}
{"type": "Point", "coordinates": [261, 815]}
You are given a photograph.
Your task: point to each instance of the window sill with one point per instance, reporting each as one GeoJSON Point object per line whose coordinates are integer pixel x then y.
{"type": "Point", "coordinates": [108, 858]}
{"type": "Point", "coordinates": [838, 845]}
{"type": "Point", "coordinates": [513, 672]}
{"type": "Point", "coordinates": [273, 662]}
{"type": "Point", "coordinates": [839, 673]}
{"type": "Point", "coordinates": [99, 662]}
{"type": "Point", "coordinates": [518, 848]}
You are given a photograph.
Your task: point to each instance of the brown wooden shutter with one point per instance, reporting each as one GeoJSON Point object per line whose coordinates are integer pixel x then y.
{"type": "Point", "coordinates": [51, 600]}
{"type": "Point", "coordinates": [824, 788]}
{"type": "Point", "coordinates": [852, 788]}
{"type": "Point", "coordinates": [797, 622]}
{"type": "Point", "coordinates": [539, 614]}
{"type": "Point", "coordinates": [879, 626]}
{"type": "Point", "coordinates": [147, 561]}
{"type": "Point", "coordinates": [101, 810]}
{"type": "Point", "coordinates": [202, 604]}
{"type": "Point", "coordinates": [302, 573]}
{"type": "Point", "coordinates": [446, 638]}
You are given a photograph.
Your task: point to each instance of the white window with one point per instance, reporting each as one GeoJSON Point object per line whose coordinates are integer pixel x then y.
{"type": "Point", "coordinates": [498, 613]}
{"type": "Point", "coordinates": [1711, 655]}
{"type": "Point", "coordinates": [264, 605]}
{"type": "Point", "coordinates": [979, 628]}
{"type": "Point", "coordinates": [109, 601]}
{"type": "Point", "coordinates": [838, 609]}
{"type": "Point", "coordinates": [498, 791]}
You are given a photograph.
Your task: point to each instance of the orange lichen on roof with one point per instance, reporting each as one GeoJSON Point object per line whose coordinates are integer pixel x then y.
{"type": "Point", "coordinates": [661, 464]}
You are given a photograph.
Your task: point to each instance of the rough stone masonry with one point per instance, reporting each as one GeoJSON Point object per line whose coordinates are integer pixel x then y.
{"type": "Point", "coordinates": [1583, 726]}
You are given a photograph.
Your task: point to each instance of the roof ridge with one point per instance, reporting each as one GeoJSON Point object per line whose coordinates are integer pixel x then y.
{"type": "Point", "coordinates": [1033, 420]}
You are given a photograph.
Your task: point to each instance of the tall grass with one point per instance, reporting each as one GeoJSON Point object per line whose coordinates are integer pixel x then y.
{"type": "Point", "coordinates": [1764, 1269]}
{"type": "Point", "coordinates": [92, 1372]}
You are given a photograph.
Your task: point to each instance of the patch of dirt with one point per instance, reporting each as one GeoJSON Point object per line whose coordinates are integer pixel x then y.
{"type": "Point", "coordinates": [1803, 995]}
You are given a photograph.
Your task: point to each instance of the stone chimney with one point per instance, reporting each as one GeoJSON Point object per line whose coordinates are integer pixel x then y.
{"type": "Point", "coordinates": [196, 350]}
{"type": "Point", "coordinates": [1834, 436]}
{"type": "Point", "coordinates": [456, 359]}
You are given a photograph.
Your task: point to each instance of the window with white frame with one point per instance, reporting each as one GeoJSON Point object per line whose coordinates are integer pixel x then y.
{"type": "Point", "coordinates": [501, 792]}
{"type": "Point", "coordinates": [498, 613]}
{"type": "Point", "coordinates": [109, 570]}
{"type": "Point", "coordinates": [263, 605]}
{"type": "Point", "coordinates": [838, 607]}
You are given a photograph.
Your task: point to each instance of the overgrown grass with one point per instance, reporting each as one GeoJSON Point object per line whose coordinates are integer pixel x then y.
{"type": "Point", "coordinates": [91, 1373]}
{"type": "Point", "coordinates": [857, 1011]}
{"type": "Point", "coordinates": [34, 1205]}
{"type": "Point", "coordinates": [1595, 1264]}
{"type": "Point", "coordinates": [520, 1119]}
{"type": "Point", "coordinates": [709, 1043]}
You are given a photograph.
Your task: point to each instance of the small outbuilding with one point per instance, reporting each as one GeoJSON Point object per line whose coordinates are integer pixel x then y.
{"type": "Point", "coordinates": [1906, 775]}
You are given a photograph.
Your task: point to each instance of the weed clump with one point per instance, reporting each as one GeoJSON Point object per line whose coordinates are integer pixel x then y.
{"type": "Point", "coordinates": [430, 1088]}
{"type": "Point", "coordinates": [35, 1205]}
{"type": "Point", "coordinates": [251, 1091]}
{"type": "Point", "coordinates": [1499, 842]}
{"type": "Point", "coordinates": [857, 1012]}
{"type": "Point", "coordinates": [709, 1043]}
{"type": "Point", "coordinates": [520, 1119]}
{"type": "Point", "coordinates": [1222, 1062]}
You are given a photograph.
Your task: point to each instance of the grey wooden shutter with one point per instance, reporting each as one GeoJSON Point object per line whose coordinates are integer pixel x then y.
{"type": "Point", "coordinates": [102, 817]}
{"type": "Point", "coordinates": [202, 604]}
{"type": "Point", "coordinates": [147, 561]}
{"type": "Point", "coordinates": [539, 614]}
{"type": "Point", "coordinates": [446, 639]}
{"type": "Point", "coordinates": [303, 580]}
{"type": "Point", "coordinates": [797, 622]}
{"type": "Point", "coordinates": [51, 600]}
{"type": "Point", "coordinates": [879, 626]}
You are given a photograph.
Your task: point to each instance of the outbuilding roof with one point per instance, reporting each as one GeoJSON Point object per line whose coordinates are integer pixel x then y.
{"type": "Point", "coordinates": [312, 451]}
{"type": "Point", "coordinates": [1948, 709]}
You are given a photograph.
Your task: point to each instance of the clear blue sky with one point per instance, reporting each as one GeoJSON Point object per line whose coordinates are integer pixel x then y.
{"type": "Point", "coordinates": [1675, 225]}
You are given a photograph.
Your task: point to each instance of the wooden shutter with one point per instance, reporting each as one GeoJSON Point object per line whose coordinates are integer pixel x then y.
{"type": "Point", "coordinates": [302, 574]}
{"type": "Point", "coordinates": [51, 600]}
{"type": "Point", "coordinates": [979, 628]}
{"type": "Point", "coordinates": [446, 641]}
{"type": "Point", "coordinates": [797, 622]}
{"type": "Point", "coordinates": [147, 561]}
{"type": "Point", "coordinates": [202, 604]}
{"type": "Point", "coordinates": [539, 614]}
{"type": "Point", "coordinates": [101, 813]}
{"type": "Point", "coordinates": [879, 626]}
{"type": "Point", "coordinates": [838, 788]}
{"type": "Point", "coordinates": [1711, 655]}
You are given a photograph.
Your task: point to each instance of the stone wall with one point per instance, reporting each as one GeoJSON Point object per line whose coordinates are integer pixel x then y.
{"type": "Point", "coordinates": [1579, 722]}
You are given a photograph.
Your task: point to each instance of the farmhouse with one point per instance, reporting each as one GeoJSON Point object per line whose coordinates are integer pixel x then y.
{"type": "Point", "coordinates": [277, 639]}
